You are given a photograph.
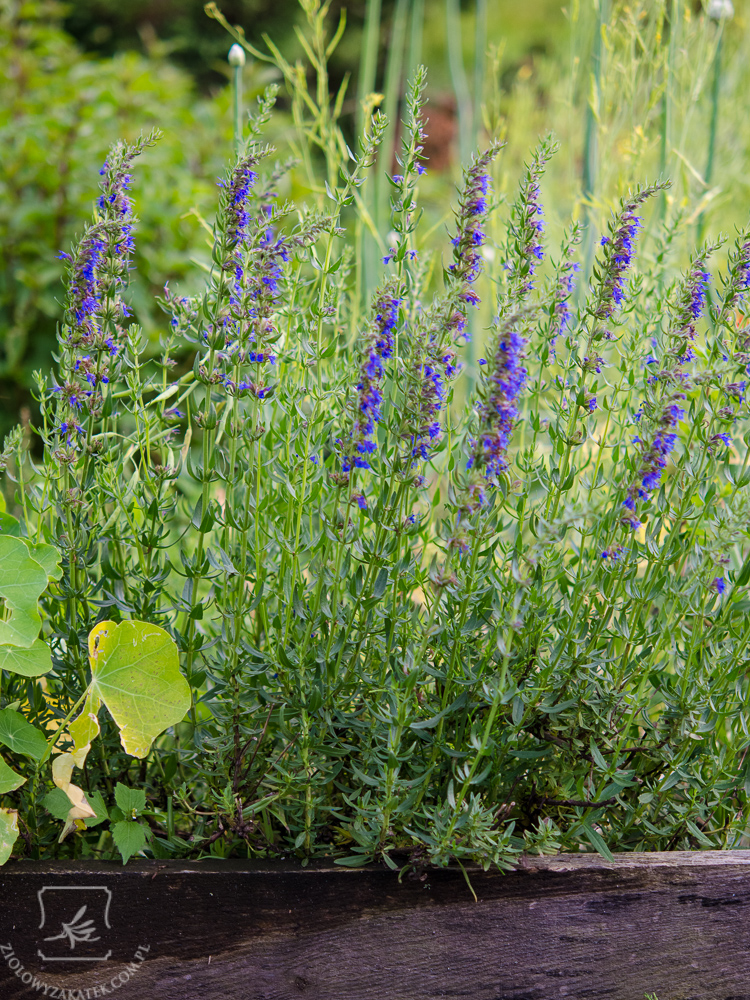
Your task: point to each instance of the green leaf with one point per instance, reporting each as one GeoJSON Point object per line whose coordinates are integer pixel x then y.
{"type": "Point", "coordinates": [129, 838]}
{"type": "Point", "coordinates": [48, 558]}
{"type": "Point", "coordinates": [354, 860]}
{"type": "Point", "coordinates": [57, 803]}
{"type": "Point", "coordinates": [131, 800]}
{"type": "Point", "coordinates": [380, 584]}
{"type": "Point", "coordinates": [9, 780]}
{"type": "Point", "coordinates": [30, 662]}
{"type": "Point", "coordinates": [597, 755]}
{"type": "Point", "coordinates": [432, 722]}
{"type": "Point", "coordinates": [698, 834]}
{"type": "Point", "coordinates": [22, 581]}
{"type": "Point", "coordinates": [597, 842]}
{"type": "Point", "coordinates": [98, 805]}
{"type": "Point", "coordinates": [20, 736]}
{"type": "Point", "coordinates": [9, 525]}
{"type": "Point", "coordinates": [135, 671]}
{"type": "Point", "coordinates": [8, 833]}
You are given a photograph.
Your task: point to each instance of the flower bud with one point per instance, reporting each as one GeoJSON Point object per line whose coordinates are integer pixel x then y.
{"type": "Point", "coordinates": [236, 55]}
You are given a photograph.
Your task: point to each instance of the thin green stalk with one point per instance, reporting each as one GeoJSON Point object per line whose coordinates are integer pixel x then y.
{"type": "Point", "coordinates": [591, 131]}
{"type": "Point", "coordinates": [392, 88]}
{"type": "Point", "coordinates": [480, 52]}
{"type": "Point", "coordinates": [665, 149]}
{"type": "Point", "coordinates": [713, 126]}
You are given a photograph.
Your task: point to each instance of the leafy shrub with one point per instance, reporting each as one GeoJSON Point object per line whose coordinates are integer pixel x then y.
{"type": "Point", "coordinates": [455, 632]}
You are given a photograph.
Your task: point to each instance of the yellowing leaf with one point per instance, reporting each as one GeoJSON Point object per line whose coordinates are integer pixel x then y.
{"type": "Point", "coordinates": [85, 727]}
{"type": "Point", "coordinates": [135, 671]}
{"type": "Point", "coordinates": [100, 641]}
{"type": "Point", "coordinates": [8, 832]}
{"type": "Point", "coordinates": [62, 771]}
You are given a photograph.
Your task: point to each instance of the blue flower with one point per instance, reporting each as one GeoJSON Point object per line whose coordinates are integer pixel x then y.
{"type": "Point", "coordinates": [237, 189]}
{"type": "Point", "coordinates": [654, 456]}
{"type": "Point", "coordinates": [527, 224]}
{"type": "Point", "coordinates": [470, 237]}
{"type": "Point", "coordinates": [378, 347]}
{"type": "Point", "coordinates": [499, 412]}
{"type": "Point", "coordinates": [617, 256]}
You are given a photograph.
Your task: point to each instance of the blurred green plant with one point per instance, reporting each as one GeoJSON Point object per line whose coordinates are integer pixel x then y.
{"type": "Point", "coordinates": [59, 111]}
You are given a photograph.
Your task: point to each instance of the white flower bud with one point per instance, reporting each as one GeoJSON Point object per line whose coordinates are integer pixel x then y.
{"type": "Point", "coordinates": [721, 10]}
{"type": "Point", "coordinates": [236, 55]}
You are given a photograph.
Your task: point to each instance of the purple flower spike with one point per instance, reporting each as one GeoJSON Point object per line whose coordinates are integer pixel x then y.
{"type": "Point", "coordinates": [379, 345]}
{"type": "Point", "coordinates": [617, 253]}
{"type": "Point", "coordinates": [499, 412]}
{"type": "Point", "coordinates": [470, 238]}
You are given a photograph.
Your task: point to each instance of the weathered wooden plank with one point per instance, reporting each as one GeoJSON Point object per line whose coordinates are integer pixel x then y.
{"type": "Point", "coordinates": [572, 926]}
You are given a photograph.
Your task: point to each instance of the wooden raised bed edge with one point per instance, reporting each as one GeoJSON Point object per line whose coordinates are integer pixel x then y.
{"type": "Point", "coordinates": [675, 924]}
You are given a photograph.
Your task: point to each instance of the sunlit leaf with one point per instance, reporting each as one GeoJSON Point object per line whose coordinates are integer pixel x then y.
{"type": "Point", "coordinates": [8, 832]}
{"type": "Point", "coordinates": [48, 558]}
{"type": "Point", "coordinates": [85, 727]}
{"type": "Point", "coordinates": [136, 673]}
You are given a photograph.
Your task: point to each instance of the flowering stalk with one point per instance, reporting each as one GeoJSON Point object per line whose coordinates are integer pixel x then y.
{"type": "Point", "coordinates": [566, 270]}
{"type": "Point", "coordinates": [498, 410]}
{"type": "Point", "coordinates": [433, 364]}
{"type": "Point", "coordinates": [605, 298]}
{"type": "Point", "coordinates": [506, 374]}
{"type": "Point", "coordinates": [736, 282]}
{"type": "Point", "coordinates": [377, 348]}
{"type": "Point", "coordinates": [92, 334]}
{"type": "Point", "coordinates": [666, 410]}
{"type": "Point", "coordinates": [525, 249]}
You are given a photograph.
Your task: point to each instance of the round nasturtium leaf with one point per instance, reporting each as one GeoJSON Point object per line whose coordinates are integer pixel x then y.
{"type": "Point", "coordinates": [30, 662]}
{"type": "Point", "coordinates": [22, 581]}
{"type": "Point", "coordinates": [48, 558]}
{"type": "Point", "coordinates": [20, 736]}
{"type": "Point", "coordinates": [8, 832]}
{"type": "Point", "coordinates": [135, 671]}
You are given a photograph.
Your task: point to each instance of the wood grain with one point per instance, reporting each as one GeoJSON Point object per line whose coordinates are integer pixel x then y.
{"type": "Point", "coordinates": [571, 926]}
